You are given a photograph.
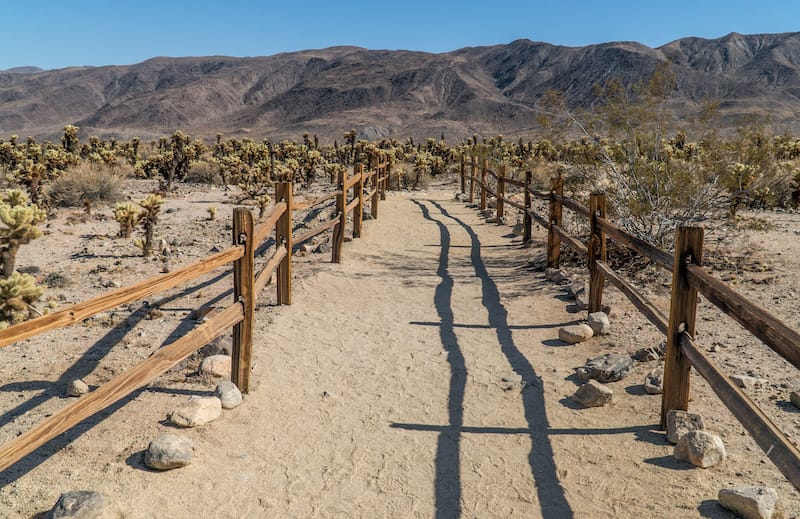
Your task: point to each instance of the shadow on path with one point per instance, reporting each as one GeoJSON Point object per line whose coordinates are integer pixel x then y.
{"type": "Point", "coordinates": [447, 484]}
{"type": "Point", "coordinates": [541, 459]}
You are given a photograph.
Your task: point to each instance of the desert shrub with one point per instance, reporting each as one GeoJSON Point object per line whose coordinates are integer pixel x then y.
{"type": "Point", "coordinates": [86, 183]}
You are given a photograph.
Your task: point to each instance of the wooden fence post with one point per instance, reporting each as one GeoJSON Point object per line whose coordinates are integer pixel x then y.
{"type": "Point", "coordinates": [243, 292]}
{"type": "Point", "coordinates": [358, 192]}
{"type": "Point", "coordinates": [472, 168]}
{"type": "Point", "coordinates": [338, 230]}
{"type": "Point", "coordinates": [501, 194]}
{"type": "Point", "coordinates": [462, 170]}
{"type": "Point", "coordinates": [682, 314]}
{"type": "Point", "coordinates": [484, 172]}
{"type": "Point", "coordinates": [597, 251]}
{"type": "Point", "coordinates": [373, 204]}
{"type": "Point", "coordinates": [283, 236]}
{"type": "Point", "coordinates": [387, 170]}
{"type": "Point", "coordinates": [527, 221]}
{"type": "Point", "coordinates": [553, 239]}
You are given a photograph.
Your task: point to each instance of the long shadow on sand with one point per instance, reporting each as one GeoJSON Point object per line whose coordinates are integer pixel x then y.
{"type": "Point", "coordinates": [541, 459]}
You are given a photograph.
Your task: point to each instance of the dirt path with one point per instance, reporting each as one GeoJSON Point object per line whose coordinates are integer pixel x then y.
{"type": "Point", "coordinates": [419, 378]}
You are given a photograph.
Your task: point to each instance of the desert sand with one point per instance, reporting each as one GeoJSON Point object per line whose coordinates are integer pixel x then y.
{"type": "Point", "coordinates": [421, 377]}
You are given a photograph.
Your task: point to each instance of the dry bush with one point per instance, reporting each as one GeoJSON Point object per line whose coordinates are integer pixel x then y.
{"type": "Point", "coordinates": [88, 183]}
{"type": "Point", "coordinates": [203, 172]}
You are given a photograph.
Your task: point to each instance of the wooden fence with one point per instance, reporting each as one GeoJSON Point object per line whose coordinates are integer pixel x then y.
{"type": "Point", "coordinates": [688, 279]}
{"type": "Point", "coordinates": [238, 316]}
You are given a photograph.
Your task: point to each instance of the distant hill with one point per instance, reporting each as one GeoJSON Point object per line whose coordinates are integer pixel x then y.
{"type": "Point", "coordinates": [484, 90]}
{"type": "Point", "coordinates": [22, 70]}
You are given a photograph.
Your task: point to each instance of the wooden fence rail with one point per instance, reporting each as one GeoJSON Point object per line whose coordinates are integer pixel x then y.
{"type": "Point", "coordinates": [688, 280]}
{"type": "Point", "coordinates": [237, 318]}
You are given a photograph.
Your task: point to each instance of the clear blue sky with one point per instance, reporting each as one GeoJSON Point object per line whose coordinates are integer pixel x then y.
{"type": "Point", "coordinates": [61, 33]}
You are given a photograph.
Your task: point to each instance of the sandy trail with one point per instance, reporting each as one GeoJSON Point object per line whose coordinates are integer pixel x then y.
{"type": "Point", "coordinates": [418, 378]}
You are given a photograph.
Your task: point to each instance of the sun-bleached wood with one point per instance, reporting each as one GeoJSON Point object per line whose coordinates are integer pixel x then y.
{"type": "Point", "coordinates": [243, 292]}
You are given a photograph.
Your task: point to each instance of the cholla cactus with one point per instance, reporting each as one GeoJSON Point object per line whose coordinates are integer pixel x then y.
{"type": "Point", "coordinates": [262, 202]}
{"type": "Point", "coordinates": [127, 215]}
{"type": "Point", "coordinates": [212, 212]}
{"type": "Point", "coordinates": [17, 292]}
{"type": "Point", "coordinates": [20, 219]}
{"type": "Point", "coordinates": [148, 220]}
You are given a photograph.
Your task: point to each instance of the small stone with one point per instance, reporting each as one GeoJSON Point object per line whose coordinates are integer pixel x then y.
{"type": "Point", "coordinates": [228, 394]}
{"type": "Point", "coordinates": [323, 248]}
{"type": "Point", "coordinates": [518, 230]}
{"type": "Point", "coordinates": [171, 210]}
{"type": "Point", "coordinates": [646, 355]}
{"type": "Point", "coordinates": [609, 367]}
{"type": "Point", "coordinates": [582, 301]}
{"type": "Point", "coordinates": [112, 283]}
{"type": "Point", "coordinates": [215, 248]}
{"type": "Point", "coordinates": [575, 333]}
{"type": "Point", "coordinates": [308, 248]}
{"type": "Point", "coordinates": [747, 382]}
{"type": "Point", "coordinates": [217, 365]}
{"type": "Point", "coordinates": [599, 323]}
{"type": "Point", "coordinates": [198, 410]}
{"type": "Point", "coordinates": [78, 504]}
{"type": "Point", "coordinates": [77, 388]}
{"type": "Point", "coordinates": [794, 397]}
{"type": "Point", "coordinates": [654, 382]}
{"type": "Point", "coordinates": [555, 275]}
{"type": "Point", "coordinates": [750, 502]}
{"type": "Point", "coordinates": [168, 451]}
{"type": "Point", "coordinates": [700, 448]}
{"type": "Point", "coordinates": [681, 422]}
{"type": "Point", "coordinates": [154, 314]}
{"type": "Point", "coordinates": [576, 288]}
{"type": "Point", "coordinates": [593, 394]}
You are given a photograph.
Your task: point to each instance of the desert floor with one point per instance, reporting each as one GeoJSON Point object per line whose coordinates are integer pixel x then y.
{"type": "Point", "coordinates": [421, 377]}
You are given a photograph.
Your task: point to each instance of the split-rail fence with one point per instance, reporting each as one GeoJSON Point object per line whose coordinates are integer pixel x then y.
{"type": "Point", "coordinates": [688, 279]}
{"type": "Point", "coordinates": [248, 235]}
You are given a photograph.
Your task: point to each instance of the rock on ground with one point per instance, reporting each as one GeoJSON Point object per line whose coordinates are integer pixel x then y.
{"type": "Point", "coordinates": [599, 323]}
{"type": "Point", "coordinates": [77, 388]}
{"type": "Point", "coordinates": [575, 333]}
{"type": "Point", "coordinates": [681, 422]}
{"type": "Point", "coordinates": [654, 382]}
{"type": "Point", "coordinates": [750, 502]}
{"type": "Point", "coordinates": [609, 367]}
{"type": "Point", "coordinates": [700, 448]}
{"type": "Point", "coordinates": [217, 365]}
{"type": "Point", "coordinates": [747, 382]}
{"type": "Point", "coordinates": [794, 397]}
{"type": "Point", "coordinates": [228, 394]}
{"type": "Point", "coordinates": [198, 410]}
{"type": "Point", "coordinates": [168, 451]}
{"type": "Point", "coordinates": [593, 394]}
{"type": "Point", "coordinates": [78, 504]}
{"type": "Point", "coordinates": [556, 275]}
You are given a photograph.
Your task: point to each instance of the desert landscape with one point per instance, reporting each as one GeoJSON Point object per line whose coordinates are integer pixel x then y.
{"type": "Point", "coordinates": [348, 282]}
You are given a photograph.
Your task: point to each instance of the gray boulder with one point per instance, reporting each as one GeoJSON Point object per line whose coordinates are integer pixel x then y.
{"type": "Point", "coordinates": [228, 394]}
{"type": "Point", "coordinates": [654, 382]}
{"type": "Point", "coordinates": [168, 451]}
{"type": "Point", "coordinates": [750, 502]}
{"type": "Point", "coordinates": [609, 367]}
{"type": "Point", "coordinates": [599, 323]}
{"type": "Point", "coordinates": [681, 422]}
{"type": "Point", "coordinates": [198, 410]}
{"type": "Point", "coordinates": [78, 504]}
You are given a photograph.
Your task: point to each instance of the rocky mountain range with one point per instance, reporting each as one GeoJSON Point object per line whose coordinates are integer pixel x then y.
{"type": "Point", "coordinates": [484, 90]}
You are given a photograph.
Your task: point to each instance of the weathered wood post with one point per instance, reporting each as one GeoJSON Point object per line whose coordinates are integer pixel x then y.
{"type": "Point", "coordinates": [358, 193]}
{"type": "Point", "coordinates": [597, 251]}
{"type": "Point", "coordinates": [244, 293]}
{"type": "Point", "coordinates": [527, 221]}
{"type": "Point", "coordinates": [501, 194]}
{"type": "Point", "coordinates": [387, 170]}
{"type": "Point", "coordinates": [682, 315]}
{"type": "Point", "coordinates": [484, 172]}
{"type": "Point", "coordinates": [553, 239]}
{"type": "Point", "coordinates": [472, 168]}
{"type": "Point", "coordinates": [462, 170]}
{"type": "Point", "coordinates": [283, 236]}
{"type": "Point", "coordinates": [338, 230]}
{"type": "Point", "coordinates": [376, 195]}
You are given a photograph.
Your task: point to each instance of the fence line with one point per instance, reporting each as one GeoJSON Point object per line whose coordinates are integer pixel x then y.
{"type": "Point", "coordinates": [237, 317]}
{"type": "Point", "coordinates": [688, 279]}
